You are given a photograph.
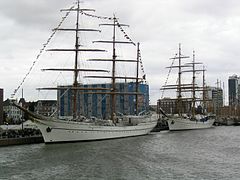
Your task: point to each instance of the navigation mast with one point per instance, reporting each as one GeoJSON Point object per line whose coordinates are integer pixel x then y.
{"type": "Point", "coordinates": [114, 70]}
{"type": "Point", "coordinates": [75, 83]}
{"type": "Point", "coordinates": [75, 86]}
{"type": "Point", "coordinates": [179, 87]}
{"type": "Point", "coordinates": [204, 91]}
{"type": "Point", "coordinates": [114, 59]}
{"type": "Point", "coordinates": [137, 82]}
{"type": "Point", "coordinates": [194, 87]}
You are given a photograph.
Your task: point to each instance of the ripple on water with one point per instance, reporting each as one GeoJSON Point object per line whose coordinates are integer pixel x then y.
{"type": "Point", "coordinates": [204, 154]}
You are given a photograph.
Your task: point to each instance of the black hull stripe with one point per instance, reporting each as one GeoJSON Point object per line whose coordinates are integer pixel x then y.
{"type": "Point", "coordinates": [105, 139]}
{"type": "Point", "coordinates": [103, 130]}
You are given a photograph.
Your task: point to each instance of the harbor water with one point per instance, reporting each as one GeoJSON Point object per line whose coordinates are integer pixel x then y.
{"type": "Point", "coordinates": [197, 154]}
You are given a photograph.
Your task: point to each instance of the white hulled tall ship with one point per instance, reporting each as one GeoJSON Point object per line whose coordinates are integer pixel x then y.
{"type": "Point", "coordinates": [81, 128]}
{"type": "Point", "coordinates": [186, 117]}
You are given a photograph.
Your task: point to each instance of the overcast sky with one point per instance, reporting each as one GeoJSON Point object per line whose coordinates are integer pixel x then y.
{"type": "Point", "coordinates": [210, 27]}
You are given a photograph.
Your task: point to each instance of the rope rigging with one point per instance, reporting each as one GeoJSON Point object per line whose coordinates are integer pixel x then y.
{"type": "Point", "coordinates": [53, 34]}
{"type": "Point", "coordinates": [125, 36]}
{"type": "Point", "coordinates": [41, 51]}
{"type": "Point", "coordinates": [142, 68]}
{"type": "Point", "coordinates": [169, 71]}
{"type": "Point", "coordinates": [110, 18]}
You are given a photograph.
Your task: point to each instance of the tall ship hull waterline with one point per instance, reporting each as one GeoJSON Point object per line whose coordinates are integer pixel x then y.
{"type": "Point", "coordinates": [54, 130]}
{"type": "Point", "coordinates": [58, 131]}
{"type": "Point", "coordinates": [86, 128]}
{"type": "Point", "coordinates": [177, 124]}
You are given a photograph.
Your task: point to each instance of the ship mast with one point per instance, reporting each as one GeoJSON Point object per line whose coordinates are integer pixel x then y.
{"type": "Point", "coordinates": [179, 97]}
{"type": "Point", "coordinates": [114, 70]}
{"type": "Point", "coordinates": [75, 83]}
{"type": "Point", "coordinates": [114, 59]}
{"type": "Point", "coordinates": [137, 82]}
{"type": "Point", "coordinates": [179, 86]}
{"type": "Point", "coordinates": [75, 86]}
{"type": "Point", "coordinates": [204, 91]}
{"type": "Point", "coordinates": [193, 89]}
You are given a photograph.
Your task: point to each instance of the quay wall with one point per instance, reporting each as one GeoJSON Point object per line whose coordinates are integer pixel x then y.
{"type": "Point", "coordinates": [21, 140]}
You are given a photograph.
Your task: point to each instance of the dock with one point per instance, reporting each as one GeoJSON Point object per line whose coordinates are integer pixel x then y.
{"type": "Point", "coordinates": [20, 136]}
{"type": "Point", "coordinates": [21, 140]}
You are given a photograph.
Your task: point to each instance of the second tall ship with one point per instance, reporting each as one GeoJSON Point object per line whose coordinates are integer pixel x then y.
{"type": "Point", "coordinates": [83, 128]}
{"type": "Point", "coordinates": [185, 115]}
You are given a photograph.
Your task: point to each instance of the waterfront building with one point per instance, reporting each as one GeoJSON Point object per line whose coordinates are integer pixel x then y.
{"type": "Point", "coordinates": [169, 106]}
{"type": "Point", "coordinates": [233, 90]}
{"type": "Point", "coordinates": [13, 114]}
{"type": "Point", "coordinates": [99, 105]}
{"type": "Point", "coordinates": [215, 98]}
{"type": "Point", "coordinates": [1, 106]}
{"type": "Point", "coordinates": [46, 107]}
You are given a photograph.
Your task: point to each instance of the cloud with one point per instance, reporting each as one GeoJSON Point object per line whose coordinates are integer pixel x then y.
{"type": "Point", "coordinates": [214, 8]}
{"type": "Point", "coordinates": [211, 28]}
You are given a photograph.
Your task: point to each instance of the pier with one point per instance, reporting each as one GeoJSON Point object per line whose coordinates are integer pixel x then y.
{"type": "Point", "coordinates": [19, 137]}
{"type": "Point", "coordinates": [228, 115]}
{"type": "Point", "coordinates": [227, 121]}
{"type": "Point", "coordinates": [21, 140]}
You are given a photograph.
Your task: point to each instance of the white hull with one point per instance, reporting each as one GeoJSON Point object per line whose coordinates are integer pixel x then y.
{"type": "Point", "coordinates": [69, 131]}
{"type": "Point", "coordinates": [179, 123]}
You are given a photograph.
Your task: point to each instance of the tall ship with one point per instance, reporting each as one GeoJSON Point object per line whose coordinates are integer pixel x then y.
{"type": "Point", "coordinates": [83, 128]}
{"type": "Point", "coordinates": [189, 111]}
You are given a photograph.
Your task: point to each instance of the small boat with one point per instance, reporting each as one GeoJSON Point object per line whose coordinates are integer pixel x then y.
{"type": "Point", "coordinates": [189, 119]}
{"type": "Point", "coordinates": [83, 128]}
